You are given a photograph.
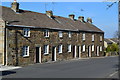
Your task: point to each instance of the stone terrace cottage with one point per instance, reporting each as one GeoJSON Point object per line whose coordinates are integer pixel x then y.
{"type": "Point", "coordinates": [28, 37]}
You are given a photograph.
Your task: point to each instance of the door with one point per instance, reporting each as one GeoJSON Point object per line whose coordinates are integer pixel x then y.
{"type": "Point", "coordinates": [54, 54]}
{"type": "Point", "coordinates": [74, 51]}
{"type": "Point", "coordinates": [97, 50]}
{"type": "Point", "coordinates": [89, 51]}
{"type": "Point", "coordinates": [38, 54]}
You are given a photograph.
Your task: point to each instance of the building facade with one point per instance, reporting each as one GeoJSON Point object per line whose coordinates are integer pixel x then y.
{"type": "Point", "coordinates": [30, 37]}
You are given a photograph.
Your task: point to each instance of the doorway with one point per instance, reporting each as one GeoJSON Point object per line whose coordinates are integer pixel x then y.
{"type": "Point", "coordinates": [97, 50]}
{"type": "Point", "coordinates": [38, 54]}
{"type": "Point", "coordinates": [54, 54]}
{"type": "Point", "coordinates": [74, 51]}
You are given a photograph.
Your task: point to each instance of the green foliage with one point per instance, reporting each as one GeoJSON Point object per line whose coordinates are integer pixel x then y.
{"type": "Point", "coordinates": [112, 48]}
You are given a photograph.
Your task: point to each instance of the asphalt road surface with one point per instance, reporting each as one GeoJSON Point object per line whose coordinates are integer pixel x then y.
{"type": "Point", "coordinates": [105, 67]}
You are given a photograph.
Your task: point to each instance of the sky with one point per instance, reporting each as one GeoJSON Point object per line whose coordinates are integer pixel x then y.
{"type": "Point", "coordinates": [105, 19]}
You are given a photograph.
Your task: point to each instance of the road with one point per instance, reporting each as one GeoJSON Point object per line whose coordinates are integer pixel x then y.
{"type": "Point", "coordinates": [105, 67]}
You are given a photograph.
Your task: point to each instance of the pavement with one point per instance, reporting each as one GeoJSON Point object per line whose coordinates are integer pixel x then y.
{"type": "Point", "coordinates": [105, 67]}
{"type": "Point", "coordinates": [4, 68]}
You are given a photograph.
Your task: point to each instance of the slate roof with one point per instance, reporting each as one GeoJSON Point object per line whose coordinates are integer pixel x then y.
{"type": "Point", "coordinates": [41, 20]}
{"type": "Point", "coordinates": [108, 41]}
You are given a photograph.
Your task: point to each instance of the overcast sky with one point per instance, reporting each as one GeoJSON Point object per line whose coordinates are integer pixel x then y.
{"type": "Point", "coordinates": [106, 20]}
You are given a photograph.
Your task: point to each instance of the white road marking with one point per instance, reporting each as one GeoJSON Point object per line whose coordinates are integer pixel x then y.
{"type": "Point", "coordinates": [113, 74]}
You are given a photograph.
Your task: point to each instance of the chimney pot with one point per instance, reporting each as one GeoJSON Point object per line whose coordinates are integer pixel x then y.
{"type": "Point", "coordinates": [89, 20]}
{"type": "Point", "coordinates": [15, 6]}
{"type": "Point", "coordinates": [49, 13]}
{"type": "Point", "coordinates": [72, 16]}
{"type": "Point", "coordinates": [81, 18]}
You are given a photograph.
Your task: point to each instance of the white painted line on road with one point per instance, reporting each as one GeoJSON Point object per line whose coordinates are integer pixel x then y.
{"type": "Point", "coordinates": [113, 74]}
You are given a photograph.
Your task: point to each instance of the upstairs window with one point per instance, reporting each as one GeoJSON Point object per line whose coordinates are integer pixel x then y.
{"type": "Point", "coordinates": [46, 49]}
{"type": "Point", "coordinates": [26, 32]}
{"type": "Point", "coordinates": [60, 48]}
{"type": "Point", "coordinates": [93, 37]}
{"type": "Point", "coordinates": [83, 36]}
{"type": "Point", "coordinates": [46, 33]}
{"type": "Point", "coordinates": [83, 48]}
{"type": "Point", "coordinates": [69, 48]}
{"type": "Point", "coordinates": [60, 34]}
{"type": "Point", "coordinates": [100, 38]}
{"type": "Point", "coordinates": [69, 34]}
{"type": "Point", "coordinates": [25, 51]}
{"type": "Point", "coordinates": [93, 47]}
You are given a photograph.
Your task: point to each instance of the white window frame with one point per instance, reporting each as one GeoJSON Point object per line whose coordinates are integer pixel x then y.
{"type": "Point", "coordinates": [69, 34]}
{"type": "Point", "coordinates": [60, 34]}
{"type": "Point", "coordinates": [25, 51]}
{"type": "Point", "coordinates": [100, 48]}
{"type": "Point", "coordinates": [83, 48]}
{"type": "Point", "coordinates": [26, 32]}
{"type": "Point", "coordinates": [100, 38]}
{"type": "Point", "coordinates": [60, 48]}
{"type": "Point", "coordinates": [46, 33]}
{"type": "Point", "coordinates": [93, 37]}
{"type": "Point", "coordinates": [46, 49]}
{"type": "Point", "coordinates": [93, 48]}
{"type": "Point", "coordinates": [69, 48]}
{"type": "Point", "coordinates": [83, 36]}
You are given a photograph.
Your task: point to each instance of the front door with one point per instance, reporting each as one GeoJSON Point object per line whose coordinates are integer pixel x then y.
{"type": "Point", "coordinates": [54, 54]}
{"type": "Point", "coordinates": [38, 54]}
{"type": "Point", "coordinates": [89, 51]}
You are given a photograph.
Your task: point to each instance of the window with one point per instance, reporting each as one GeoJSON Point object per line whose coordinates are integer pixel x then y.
{"type": "Point", "coordinates": [60, 48]}
{"type": "Point", "coordinates": [60, 34]}
{"type": "Point", "coordinates": [69, 48]}
{"type": "Point", "coordinates": [26, 32]}
{"type": "Point", "coordinates": [25, 51]}
{"type": "Point", "coordinates": [93, 37]}
{"type": "Point", "coordinates": [46, 49]}
{"type": "Point", "coordinates": [100, 48]}
{"type": "Point", "coordinates": [46, 33]}
{"type": "Point", "coordinates": [83, 36]}
{"type": "Point", "coordinates": [69, 34]}
{"type": "Point", "coordinates": [83, 48]}
{"type": "Point", "coordinates": [92, 47]}
{"type": "Point", "coordinates": [100, 38]}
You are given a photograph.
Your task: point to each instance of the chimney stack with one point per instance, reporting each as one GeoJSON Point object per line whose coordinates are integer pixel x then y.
{"type": "Point", "coordinates": [81, 18]}
{"type": "Point", "coordinates": [89, 20]}
{"type": "Point", "coordinates": [72, 16]}
{"type": "Point", "coordinates": [49, 14]}
{"type": "Point", "coordinates": [15, 6]}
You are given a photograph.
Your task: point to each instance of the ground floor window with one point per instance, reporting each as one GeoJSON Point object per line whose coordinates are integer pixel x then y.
{"type": "Point", "coordinates": [83, 48]}
{"type": "Point", "coordinates": [60, 48]}
{"type": "Point", "coordinates": [69, 48]}
{"type": "Point", "coordinates": [25, 51]}
{"type": "Point", "coordinates": [100, 48]}
{"type": "Point", "coordinates": [92, 47]}
{"type": "Point", "coordinates": [46, 49]}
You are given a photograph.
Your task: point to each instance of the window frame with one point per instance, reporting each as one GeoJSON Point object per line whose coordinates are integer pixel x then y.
{"type": "Point", "coordinates": [46, 33]}
{"type": "Point", "coordinates": [60, 34]}
{"type": "Point", "coordinates": [100, 38]}
{"type": "Point", "coordinates": [26, 32]}
{"type": "Point", "coordinates": [93, 37]}
{"type": "Point", "coordinates": [25, 51]}
{"type": "Point", "coordinates": [83, 36]}
{"type": "Point", "coordinates": [46, 49]}
{"type": "Point", "coordinates": [69, 48]}
{"type": "Point", "coordinates": [60, 47]}
{"type": "Point", "coordinates": [83, 48]}
{"type": "Point", "coordinates": [93, 47]}
{"type": "Point", "coordinates": [69, 34]}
